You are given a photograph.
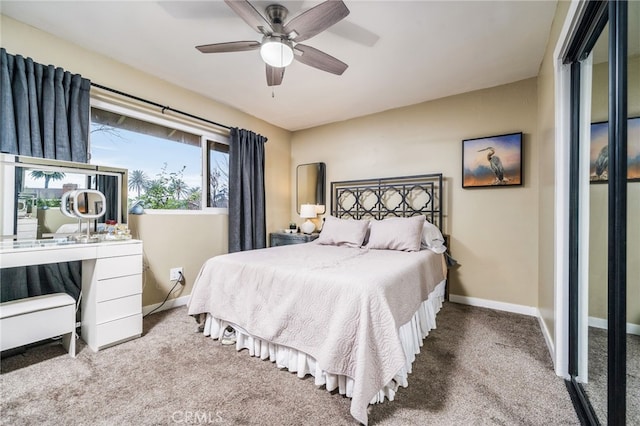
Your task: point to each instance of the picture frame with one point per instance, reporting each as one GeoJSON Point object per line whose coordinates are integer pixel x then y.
{"type": "Point", "coordinates": [598, 155]}
{"type": "Point", "coordinates": [492, 161]}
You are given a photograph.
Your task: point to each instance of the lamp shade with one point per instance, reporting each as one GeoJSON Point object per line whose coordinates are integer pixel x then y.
{"type": "Point", "coordinates": [308, 211]}
{"type": "Point", "coordinates": [276, 52]}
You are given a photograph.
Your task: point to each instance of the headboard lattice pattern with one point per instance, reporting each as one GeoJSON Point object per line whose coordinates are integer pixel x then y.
{"type": "Point", "coordinates": [389, 197]}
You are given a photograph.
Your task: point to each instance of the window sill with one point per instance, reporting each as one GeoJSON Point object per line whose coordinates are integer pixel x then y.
{"type": "Point", "coordinates": [207, 211]}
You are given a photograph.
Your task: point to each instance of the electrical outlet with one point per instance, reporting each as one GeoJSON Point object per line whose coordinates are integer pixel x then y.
{"type": "Point", "coordinates": [174, 273]}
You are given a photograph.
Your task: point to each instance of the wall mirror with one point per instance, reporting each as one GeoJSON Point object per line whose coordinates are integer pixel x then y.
{"type": "Point", "coordinates": [32, 190]}
{"type": "Point", "coordinates": [310, 185]}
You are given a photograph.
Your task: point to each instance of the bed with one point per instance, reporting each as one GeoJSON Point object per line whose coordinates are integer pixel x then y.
{"type": "Point", "coordinates": [350, 308]}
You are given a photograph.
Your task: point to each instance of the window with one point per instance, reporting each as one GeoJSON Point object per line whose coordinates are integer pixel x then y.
{"type": "Point", "coordinates": [218, 160]}
{"type": "Point", "coordinates": [164, 159]}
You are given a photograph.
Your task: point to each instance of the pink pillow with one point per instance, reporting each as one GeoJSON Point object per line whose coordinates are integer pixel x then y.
{"type": "Point", "coordinates": [340, 232]}
{"type": "Point", "coordinates": [432, 238]}
{"type": "Point", "coordinates": [398, 233]}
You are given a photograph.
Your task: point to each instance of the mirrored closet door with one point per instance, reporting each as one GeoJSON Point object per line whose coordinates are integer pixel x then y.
{"type": "Point", "coordinates": [604, 223]}
{"type": "Point", "coordinates": [595, 284]}
{"type": "Point", "coordinates": [633, 218]}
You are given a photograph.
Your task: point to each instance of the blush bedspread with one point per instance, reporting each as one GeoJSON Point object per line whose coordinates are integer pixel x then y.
{"type": "Point", "coordinates": [343, 306]}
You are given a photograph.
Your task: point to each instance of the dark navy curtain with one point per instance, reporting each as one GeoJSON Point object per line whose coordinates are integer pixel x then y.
{"type": "Point", "coordinates": [108, 185]}
{"type": "Point", "coordinates": [44, 112]}
{"type": "Point", "coordinates": [247, 223]}
{"type": "Point", "coordinates": [27, 281]}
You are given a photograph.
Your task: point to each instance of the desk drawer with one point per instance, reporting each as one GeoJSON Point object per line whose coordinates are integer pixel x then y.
{"type": "Point", "coordinates": [116, 331]}
{"type": "Point", "coordinates": [118, 308]}
{"type": "Point", "coordinates": [112, 267]}
{"type": "Point", "coordinates": [118, 249]}
{"type": "Point", "coordinates": [114, 288]}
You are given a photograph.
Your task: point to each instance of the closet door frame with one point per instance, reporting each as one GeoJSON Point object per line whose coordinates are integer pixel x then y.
{"type": "Point", "coordinates": [589, 18]}
{"type": "Point", "coordinates": [617, 239]}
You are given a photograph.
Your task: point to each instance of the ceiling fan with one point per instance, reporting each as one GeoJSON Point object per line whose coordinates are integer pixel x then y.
{"type": "Point", "coordinates": [280, 43]}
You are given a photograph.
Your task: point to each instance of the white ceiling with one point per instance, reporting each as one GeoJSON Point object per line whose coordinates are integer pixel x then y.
{"type": "Point", "coordinates": [399, 52]}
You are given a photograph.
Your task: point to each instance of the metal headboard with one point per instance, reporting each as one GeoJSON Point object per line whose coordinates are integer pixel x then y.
{"type": "Point", "coordinates": [389, 197]}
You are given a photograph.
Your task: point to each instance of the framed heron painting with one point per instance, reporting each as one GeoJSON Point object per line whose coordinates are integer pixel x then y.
{"type": "Point", "coordinates": [492, 161]}
{"type": "Point", "coordinates": [599, 151]}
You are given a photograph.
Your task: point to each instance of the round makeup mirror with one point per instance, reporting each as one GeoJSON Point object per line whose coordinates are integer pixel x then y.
{"type": "Point", "coordinates": [88, 203]}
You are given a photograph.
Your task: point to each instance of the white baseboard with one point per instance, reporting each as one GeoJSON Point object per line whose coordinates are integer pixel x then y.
{"type": "Point", "coordinates": [492, 304]}
{"type": "Point", "coordinates": [171, 303]}
{"type": "Point", "coordinates": [603, 324]}
{"type": "Point", "coordinates": [547, 337]}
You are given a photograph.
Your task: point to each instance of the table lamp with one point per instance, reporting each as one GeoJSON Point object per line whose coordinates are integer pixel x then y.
{"type": "Point", "coordinates": [308, 211]}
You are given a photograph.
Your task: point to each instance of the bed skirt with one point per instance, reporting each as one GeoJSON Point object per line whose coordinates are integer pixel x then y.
{"type": "Point", "coordinates": [411, 336]}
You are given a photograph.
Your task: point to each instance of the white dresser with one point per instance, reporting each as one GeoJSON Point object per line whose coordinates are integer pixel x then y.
{"type": "Point", "coordinates": [112, 295]}
{"type": "Point", "coordinates": [111, 284]}
{"type": "Point", "coordinates": [27, 228]}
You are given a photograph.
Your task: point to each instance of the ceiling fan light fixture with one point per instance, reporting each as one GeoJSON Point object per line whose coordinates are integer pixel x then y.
{"type": "Point", "coordinates": [276, 52]}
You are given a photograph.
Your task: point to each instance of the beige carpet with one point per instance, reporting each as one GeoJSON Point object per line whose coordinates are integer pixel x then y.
{"type": "Point", "coordinates": [596, 389]}
{"type": "Point", "coordinates": [479, 367]}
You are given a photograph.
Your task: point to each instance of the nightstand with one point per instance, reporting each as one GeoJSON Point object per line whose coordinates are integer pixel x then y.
{"type": "Point", "coordinates": [284, 238]}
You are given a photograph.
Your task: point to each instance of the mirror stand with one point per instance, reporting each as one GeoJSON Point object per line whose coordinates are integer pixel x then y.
{"type": "Point", "coordinates": [84, 204]}
{"type": "Point", "coordinates": [86, 238]}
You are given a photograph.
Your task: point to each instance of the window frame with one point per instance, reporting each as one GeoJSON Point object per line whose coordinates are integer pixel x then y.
{"type": "Point", "coordinates": [205, 132]}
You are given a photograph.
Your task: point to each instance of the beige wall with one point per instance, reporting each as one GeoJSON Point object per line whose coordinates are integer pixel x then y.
{"type": "Point", "coordinates": [176, 240]}
{"type": "Point", "coordinates": [173, 240]}
{"type": "Point", "coordinates": [546, 172]}
{"type": "Point", "coordinates": [494, 231]}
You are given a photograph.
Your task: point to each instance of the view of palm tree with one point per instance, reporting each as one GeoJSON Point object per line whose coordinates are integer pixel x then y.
{"type": "Point", "coordinates": [167, 191]}
{"type": "Point", "coordinates": [165, 165]}
{"type": "Point", "coordinates": [138, 181]}
{"type": "Point", "coordinates": [219, 183]}
{"type": "Point", "coordinates": [179, 188]}
{"type": "Point", "coordinates": [48, 176]}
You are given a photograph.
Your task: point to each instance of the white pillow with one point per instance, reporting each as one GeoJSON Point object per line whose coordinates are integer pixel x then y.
{"type": "Point", "coordinates": [398, 233]}
{"type": "Point", "coordinates": [432, 238]}
{"type": "Point", "coordinates": [340, 232]}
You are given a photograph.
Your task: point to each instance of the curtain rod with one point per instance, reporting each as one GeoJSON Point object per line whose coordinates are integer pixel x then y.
{"type": "Point", "coordinates": [163, 107]}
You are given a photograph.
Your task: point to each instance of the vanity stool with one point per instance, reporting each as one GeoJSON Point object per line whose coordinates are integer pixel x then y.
{"type": "Point", "coordinates": [32, 319]}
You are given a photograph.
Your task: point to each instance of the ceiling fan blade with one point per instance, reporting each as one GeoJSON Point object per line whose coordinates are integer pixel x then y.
{"type": "Point", "coordinates": [274, 75]}
{"type": "Point", "coordinates": [250, 15]}
{"type": "Point", "coordinates": [316, 20]}
{"type": "Point", "coordinates": [315, 58]}
{"type": "Point", "coordinates": [233, 46]}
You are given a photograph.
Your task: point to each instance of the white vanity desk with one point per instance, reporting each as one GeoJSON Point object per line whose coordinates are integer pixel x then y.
{"type": "Point", "coordinates": [111, 304]}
